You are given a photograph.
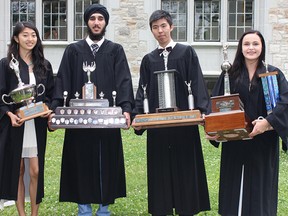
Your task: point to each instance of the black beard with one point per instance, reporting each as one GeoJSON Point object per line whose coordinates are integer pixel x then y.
{"type": "Point", "coordinates": [96, 37]}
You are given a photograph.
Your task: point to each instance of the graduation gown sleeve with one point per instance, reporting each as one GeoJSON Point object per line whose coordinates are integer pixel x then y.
{"type": "Point", "coordinates": [279, 117]}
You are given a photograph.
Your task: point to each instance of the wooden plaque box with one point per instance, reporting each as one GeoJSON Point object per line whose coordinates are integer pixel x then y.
{"type": "Point", "coordinates": [168, 119]}
{"type": "Point", "coordinates": [226, 103]}
{"type": "Point", "coordinates": [231, 125]}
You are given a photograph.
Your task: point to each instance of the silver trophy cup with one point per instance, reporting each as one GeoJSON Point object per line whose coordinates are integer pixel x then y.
{"type": "Point", "coordinates": [24, 93]}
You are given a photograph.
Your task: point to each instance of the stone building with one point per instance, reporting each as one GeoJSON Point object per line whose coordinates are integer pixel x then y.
{"type": "Point", "coordinates": [204, 24]}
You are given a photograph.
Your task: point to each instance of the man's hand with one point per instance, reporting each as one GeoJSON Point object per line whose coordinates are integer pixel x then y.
{"type": "Point", "coordinates": [128, 119]}
{"type": "Point", "coordinates": [49, 121]}
{"type": "Point", "coordinates": [136, 127]}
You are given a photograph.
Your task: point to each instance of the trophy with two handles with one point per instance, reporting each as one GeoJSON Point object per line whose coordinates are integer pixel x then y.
{"type": "Point", "coordinates": [25, 95]}
{"type": "Point", "coordinates": [88, 112]}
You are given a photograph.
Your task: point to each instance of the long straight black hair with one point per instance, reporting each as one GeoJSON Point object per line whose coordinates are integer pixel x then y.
{"type": "Point", "coordinates": [37, 52]}
{"type": "Point", "coordinates": [239, 61]}
{"type": "Point", "coordinates": [238, 66]}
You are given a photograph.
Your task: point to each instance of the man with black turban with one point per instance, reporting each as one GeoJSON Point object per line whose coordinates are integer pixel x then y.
{"type": "Point", "coordinates": [96, 8]}
{"type": "Point", "coordinates": [93, 164]}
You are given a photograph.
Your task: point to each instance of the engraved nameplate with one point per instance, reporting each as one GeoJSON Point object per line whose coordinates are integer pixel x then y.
{"type": "Point", "coordinates": [226, 103]}
{"type": "Point", "coordinates": [33, 110]}
{"type": "Point", "coordinates": [168, 119]}
{"type": "Point", "coordinates": [89, 102]}
{"type": "Point", "coordinates": [89, 91]}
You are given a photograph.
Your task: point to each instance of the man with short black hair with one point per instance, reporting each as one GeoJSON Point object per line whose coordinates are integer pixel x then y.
{"type": "Point", "coordinates": [176, 172]}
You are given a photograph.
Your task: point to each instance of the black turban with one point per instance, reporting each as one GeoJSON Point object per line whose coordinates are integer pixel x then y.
{"type": "Point", "coordinates": [96, 8]}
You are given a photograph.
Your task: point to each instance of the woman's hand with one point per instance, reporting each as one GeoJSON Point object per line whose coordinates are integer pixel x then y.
{"type": "Point", "coordinates": [260, 126]}
{"type": "Point", "coordinates": [212, 138]}
{"type": "Point", "coordinates": [15, 120]}
{"type": "Point", "coordinates": [45, 115]}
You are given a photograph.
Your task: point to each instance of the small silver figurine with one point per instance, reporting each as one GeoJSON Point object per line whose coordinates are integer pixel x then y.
{"type": "Point", "coordinates": [89, 69]}
{"type": "Point", "coordinates": [101, 95]}
{"type": "Point", "coordinates": [14, 65]}
{"type": "Point", "coordinates": [114, 98]}
{"type": "Point", "coordinates": [65, 95]}
{"type": "Point", "coordinates": [77, 95]}
{"type": "Point", "coordinates": [190, 96]}
{"type": "Point", "coordinates": [145, 101]}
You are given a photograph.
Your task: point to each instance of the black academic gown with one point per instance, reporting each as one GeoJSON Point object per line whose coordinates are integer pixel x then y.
{"type": "Point", "coordinates": [260, 155]}
{"type": "Point", "coordinates": [87, 152]}
{"type": "Point", "coordinates": [176, 172]}
{"type": "Point", "coordinates": [11, 138]}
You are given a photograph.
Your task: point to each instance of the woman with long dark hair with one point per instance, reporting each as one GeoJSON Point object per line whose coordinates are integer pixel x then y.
{"type": "Point", "coordinates": [22, 145]}
{"type": "Point", "coordinates": [249, 168]}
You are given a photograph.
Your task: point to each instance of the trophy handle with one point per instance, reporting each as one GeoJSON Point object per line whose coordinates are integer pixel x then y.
{"type": "Point", "coordinates": [43, 87]}
{"type": "Point", "coordinates": [5, 95]}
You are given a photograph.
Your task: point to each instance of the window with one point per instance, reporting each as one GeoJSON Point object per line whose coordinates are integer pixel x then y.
{"type": "Point", "coordinates": [80, 26]}
{"type": "Point", "coordinates": [54, 20]}
{"type": "Point", "coordinates": [240, 18]}
{"type": "Point", "coordinates": [207, 21]}
{"type": "Point", "coordinates": [54, 23]}
{"type": "Point", "coordinates": [178, 11]}
{"type": "Point", "coordinates": [22, 11]}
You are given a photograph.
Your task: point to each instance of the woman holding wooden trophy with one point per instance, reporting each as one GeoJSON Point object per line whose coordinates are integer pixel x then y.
{"type": "Point", "coordinates": [26, 86]}
{"type": "Point", "coordinates": [249, 167]}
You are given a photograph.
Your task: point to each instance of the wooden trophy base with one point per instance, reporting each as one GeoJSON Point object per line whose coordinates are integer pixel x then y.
{"type": "Point", "coordinates": [231, 125]}
{"type": "Point", "coordinates": [33, 110]}
{"type": "Point", "coordinates": [168, 119]}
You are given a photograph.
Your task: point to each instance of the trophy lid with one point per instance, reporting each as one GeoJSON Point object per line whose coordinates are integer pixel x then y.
{"type": "Point", "coordinates": [165, 71]}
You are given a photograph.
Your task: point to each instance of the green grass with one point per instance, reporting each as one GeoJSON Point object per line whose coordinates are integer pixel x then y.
{"type": "Point", "coordinates": [135, 163]}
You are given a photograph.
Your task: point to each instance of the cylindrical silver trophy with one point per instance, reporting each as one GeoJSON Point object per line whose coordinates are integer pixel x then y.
{"type": "Point", "coordinates": [166, 90]}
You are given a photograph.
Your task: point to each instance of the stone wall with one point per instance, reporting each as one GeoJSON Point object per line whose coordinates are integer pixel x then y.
{"type": "Point", "coordinates": [129, 21]}
{"type": "Point", "coordinates": [278, 48]}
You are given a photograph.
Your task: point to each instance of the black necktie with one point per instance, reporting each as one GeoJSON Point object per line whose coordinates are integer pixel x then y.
{"type": "Point", "coordinates": [169, 49]}
{"type": "Point", "coordinates": [95, 48]}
